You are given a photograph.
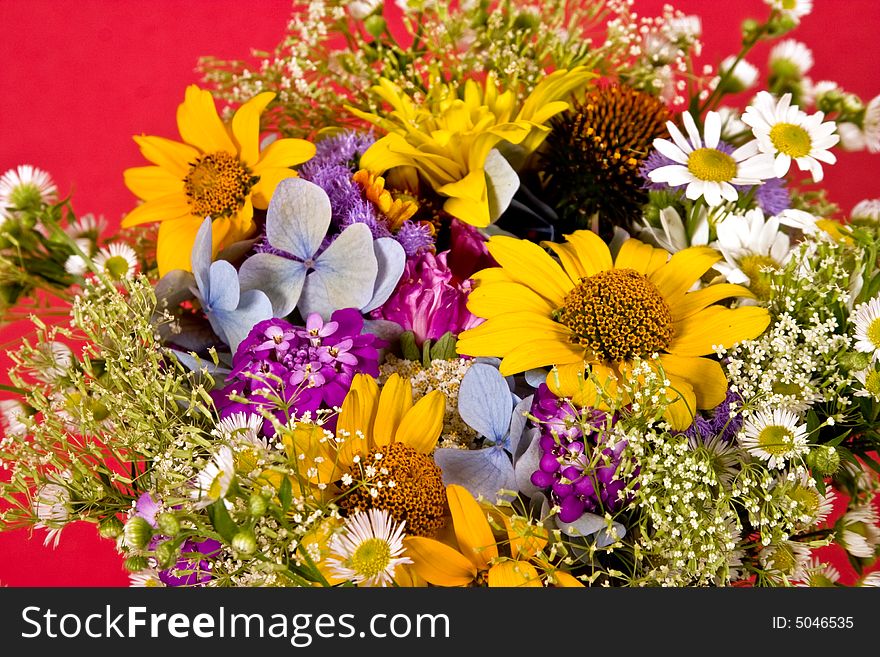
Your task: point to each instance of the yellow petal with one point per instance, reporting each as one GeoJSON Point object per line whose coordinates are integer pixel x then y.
{"type": "Point", "coordinates": [150, 183]}
{"type": "Point", "coordinates": [490, 299]}
{"type": "Point", "coordinates": [262, 192]}
{"type": "Point", "coordinates": [359, 409]}
{"type": "Point", "coordinates": [566, 580]}
{"type": "Point", "coordinates": [514, 573]}
{"type": "Point", "coordinates": [438, 563]}
{"type": "Point", "coordinates": [472, 529]}
{"type": "Point", "coordinates": [175, 243]}
{"type": "Point", "coordinates": [683, 404]}
{"type": "Point", "coordinates": [492, 275]}
{"type": "Point", "coordinates": [172, 156]}
{"type": "Point", "coordinates": [592, 252]}
{"type": "Point", "coordinates": [705, 376]}
{"type": "Point", "coordinates": [200, 125]}
{"type": "Point", "coordinates": [405, 576]}
{"type": "Point", "coordinates": [693, 302]}
{"type": "Point", "coordinates": [421, 426]}
{"type": "Point", "coordinates": [639, 256]}
{"type": "Point", "coordinates": [525, 540]}
{"type": "Point", "coordinates": [527, 263]}
{"type": "Point", "coordinates": [568, 256]}
{"type": "Point", "coordinates": [395, 401]}
{"type": "Point", "coordinates": [246, 127]}
{"type": "Point", "coordinates": [572, 382]}
{"type": "Point", "coordinates": [540, 353]}
{"type": "Point", "coordinates": [165, 208]}
{"type": "Point", "coordinates": [700, 333]}
{"type": "Point", "coordinates": [683, 270]}
{"type": "Point", "coordinates": [284, 153]}
{"type": "Point", "coordinates": [503, 333]}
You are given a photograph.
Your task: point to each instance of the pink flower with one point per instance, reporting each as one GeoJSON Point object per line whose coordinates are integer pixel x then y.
{"type": "Point", "coordinates": [468, 253]}
{"type": "Point", "coordinates": [429, 300]}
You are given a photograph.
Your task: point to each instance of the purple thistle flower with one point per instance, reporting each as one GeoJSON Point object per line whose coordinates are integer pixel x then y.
{"type": "Point", "coordinates": [414, 238]}
{"type": "Point", "coordinates": [772, 197]}
{"type": "Point", "coordinates": [428, 300]}
{"type": "Point", "coordinates": [308, 367]}
{"type": "Point", "coordinates": [718, 422]}
{"type": "Point", "coordinates": [343, 149]}
{"type": "Point", "coordinates": [579, 482]}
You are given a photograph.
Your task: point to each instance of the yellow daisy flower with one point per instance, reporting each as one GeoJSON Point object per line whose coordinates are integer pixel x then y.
{"type": "Point", "coordinates": [381, 437]}
{"type": "Point", "coordinates": [449, 136]}
{"type": "Point", "coordinates": [218, 171]}
{"type": "Point", "coordinates": [590, 310]}
{"type": "Point", "coordinates": [478, 558]}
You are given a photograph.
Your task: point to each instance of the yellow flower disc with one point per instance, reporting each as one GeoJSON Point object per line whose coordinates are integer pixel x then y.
{"type": "Point", "coordinates": [217, 185]}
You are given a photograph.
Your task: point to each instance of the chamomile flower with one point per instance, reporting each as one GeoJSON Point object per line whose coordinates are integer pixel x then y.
{"type": "Point", "coordinates": [213, 482]}
{"type": "Point", "coordinates": [117, 260]}
{"type": "Point", "coordinates": [751, 246]}
{"type": "Point", "coordinates": [790, 59]}
{"type": "Point", "coordinates": [25, 188]}
{"type": "Point", "coordinates": [52, 508]}
{"type": "Point", "coordinates": [742, 74]}
{"type": "Point", "coordinates": [708, 171]}
{"type": "Point", "coordinates": [76, 265]}
{"type": "Point", "coordinates": [12, 414]}
{"type": "Point", "coordinates": [795, 9]}
{"type": "Point", "coordinates": [148, 578]}
{"type": "Point", "coordinates": [819, 575]}
{"type": "Point", "coordinates": [242, 428]}
{"type": "Point", "coordinates": [786, 133]}
{"type": "Point", "coordinates": [855, 137]}
{"type": "Point", "coordinates": [87, 229]}
{"type": "Point", "coordinates": [858, 532]}
{"type": "Point", "coordinates": [871, 579]}
{"type": "Point", "coordinates": [775, 436]}
{"type": "Point", "coordinates": [869, 379]}
{"type": "Point", "coordinates": [866, 317]}
{"type": "Point", "coordinates": [786, 559]}
{"type": "Point", "coordinates": [868, 209]}
{"type": "Point", "coordinates": [731, 123]}
{"type": "Point", "coordinates": [369, 549]}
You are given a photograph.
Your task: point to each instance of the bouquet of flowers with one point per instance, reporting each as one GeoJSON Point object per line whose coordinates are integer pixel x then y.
{"type": "Point", "coordinates": [508, 298]}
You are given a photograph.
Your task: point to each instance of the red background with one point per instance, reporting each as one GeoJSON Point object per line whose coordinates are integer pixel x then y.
{"type": "Point", "coordinates": [78, 78]}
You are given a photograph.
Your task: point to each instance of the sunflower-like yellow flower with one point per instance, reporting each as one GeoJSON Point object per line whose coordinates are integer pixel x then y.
{"type": "Point", "coordinates": [478, 558]}
{"type": "Point", "coordinates": [381, 436]}
{"type": "Point", "coordinates": [593, 311]}
{"type": "Point", "coordinates": [218, 171]}
{"type": "Point", "coordinates": [449, 136]}
{"type": "Point", "coordinates": [397, 209]}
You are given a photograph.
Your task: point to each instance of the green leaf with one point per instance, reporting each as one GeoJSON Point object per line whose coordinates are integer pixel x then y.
{"type": "Point", "coordinates": [444, 348]}
{"type": "Point", "coordinates": [285, 494]}
{"type": "Point", "coordinates": [426, 353]}
{"type": "Point", "coordinates": [408, 346]}
{"type": "Point", "coordinates": [222, 521]}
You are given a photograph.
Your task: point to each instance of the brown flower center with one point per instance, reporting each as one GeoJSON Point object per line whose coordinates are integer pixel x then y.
{"type": "Point", "coordinates": [217, 185]}
{"type": "Point", "coordinates": [617, 315]}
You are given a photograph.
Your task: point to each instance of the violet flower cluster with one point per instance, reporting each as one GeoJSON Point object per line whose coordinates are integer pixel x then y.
{"type": "Point", "coordinates": [578, 481]}
{"type": "Point", "coordinates": [308, 368]}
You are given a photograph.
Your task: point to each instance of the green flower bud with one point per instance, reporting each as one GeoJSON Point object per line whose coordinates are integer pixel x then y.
{"type": "Point", "coordinates": [167, 554]}
{"type": "Point", "coordinates": [137, 533]}
{"type": "Point", "coordinates": [854, 361]}
{"type": "Point", "coordinates": [257, 505]}
{"type": "Point", "coordinates": [375, 25]}
{"type": "Point", "coordinates": [244, 542]}
{"type": "Point", "coordinates": [168, 524]}
{"type": "Point", "coordinates": [99, 410]}
{"type": "Point", "coordinates": [526, 21]}
{"type": "Point", "coordinates": [135, 564]}
{"type": "Point", "coordinates": [824, 460]}
{"type": "Point", "coordinates": [112, 527]}
{"type": "Point", "coordinates": [750, 28]}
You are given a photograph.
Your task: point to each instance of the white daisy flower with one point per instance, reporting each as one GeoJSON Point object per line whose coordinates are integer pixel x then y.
{"type": "Point", "coordinates": [751, 245]}
{"type": "Point", "coordinates": [242, 429]}
{"type": "Point", "coordinates": [790, 59]}
{"type": "Point", "coordinates": [12, 414]}
{"type": "Point", "coordinates": [743, 75]}
{"type": "Point", "coordinates": [866, 317]}
{"type": "Point", "coordinates": [815, 505]}
{"type": "Point", "coordinates": [708, 171]}
{"type": "Point", "coordinates": [774, 436]}
{"type": "Point", "coordinates": [796, 9]}
{"type": "Point", "coordinates": [858, 532]}
{"type": "Point", "coordinates": [369, 549]}
{"type": "Point", "coordinates": [724, 457]}
{"type": "Point", "coordinates": [52, 508]}
{"type": "Point", "coordinates": [814, 93]}
{"type": "Point", "coordinates": [867, 136]}
{"type": "Point", "coordinates": [819, 575]}
{"type": "Point", "coordinates": [871, 579]}
{"type": "Point", "coordinates": [785, 133]}
{"type": "Point", "coordinates": [870, 382]}
{"type": "Point", "coordinates": [786, 559]}
{"type": "Point", "coordinates": [25, 187]}
{"type": "Point", "coordinates": [213, 482]}
{"type": "Point", "coordinates": [672, 235]}
{"type": "Point", "coordinates": [117, 260]}
{"type": "Point", "coordinates": [148, 578]}
{"type": "Point", "coordinates": [87, 227]}
{"type": "Point", "coordinates": [868, 209]}
{"type": "Point", "coordinates": [76, 266]}
{"type": "Point", "coordinates": [731, 123]}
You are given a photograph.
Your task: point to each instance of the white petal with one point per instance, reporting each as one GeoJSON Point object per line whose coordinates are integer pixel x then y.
{"type": "Point", "coordinates": [673, 175]}
{"type": "Point", "coordinates": [781, 165]}
{"type": "Point", "coordinates": [670, 150]}
{"type": "Point", "coordinates": [712, 129]}
{"type": "Point", "coordinates": [691, 126]}
{"type": "Point", "coordinates": [678, 138]}
{"type": "Point", "coordinates": [712, 193]}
